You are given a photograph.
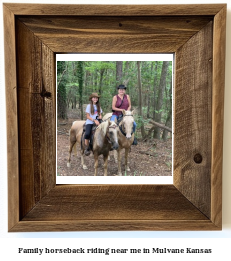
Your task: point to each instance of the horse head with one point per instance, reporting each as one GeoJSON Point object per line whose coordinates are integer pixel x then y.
{"type": "Point", "coordinates": [127, 123]}
{"type": "Point", "coordinates": [112, 133]}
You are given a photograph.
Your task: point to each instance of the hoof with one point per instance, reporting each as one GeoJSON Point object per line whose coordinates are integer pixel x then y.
{"type": "Point", "coordinates": [85, 167]}
{"type": "Point", "coordinates": [120, 174]}
{"type": "Point", "coordinates": [128, 169]}
{"type": "Point", "coordinates": [68, 165]}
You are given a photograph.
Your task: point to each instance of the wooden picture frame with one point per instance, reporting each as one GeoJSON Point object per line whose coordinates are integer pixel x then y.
{"type": "Point", "coordinates": [33, 34]}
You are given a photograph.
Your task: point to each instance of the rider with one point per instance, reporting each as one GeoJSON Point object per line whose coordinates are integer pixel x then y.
{"type": "Point", "coordinates": [121, 102]}
{"type": "Point", "coordinates": [92, 111]}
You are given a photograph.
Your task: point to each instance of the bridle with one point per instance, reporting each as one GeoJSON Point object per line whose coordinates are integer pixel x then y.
{"type": "Point", "coordinates": [118, 125]}
{"type": "Point", "coordinates": [111, 127]}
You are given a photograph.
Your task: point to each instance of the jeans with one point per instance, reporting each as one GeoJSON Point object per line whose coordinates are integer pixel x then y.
{"type": "Point", "coordinates": [113, 117]}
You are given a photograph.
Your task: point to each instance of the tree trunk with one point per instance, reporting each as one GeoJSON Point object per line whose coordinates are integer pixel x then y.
{"type": "Point", "coordinates": [126, 73]}
{"type": "Point", "coordinates": [61, 92]}
{"type": "Point", "coordinates": [155, 87]}
{"type": "Point", "coordinates": [80, 81]}
{"type": "Point", "coordinates": [149, 97]}
{"type": "Point", "coordinates": [169, 117]}
{"type": "Point", "coordinates": [140, 98]}
{"type": "Point", "coordinates": [101, 80]}
{"type": "Point", "coordinates": [160, 97]}
{"type": "Point", "coordinates": [119, 72]}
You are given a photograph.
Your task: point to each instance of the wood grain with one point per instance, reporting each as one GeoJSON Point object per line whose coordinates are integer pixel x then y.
{"type": "Point", "coordinates": [193, 126]}
{"type": "Point", "coordinates": [36, 106]}
{"type": "Point", "coordinates": [195, 33]}
{"type": "Point", "coordinates": [114, 225]}
{"type": "Point", "coordinates": [139, 202]}
{"type": "Point", "coordinates": [108, 207]}
{"type": "Point", "coordinates": [12, 117]}
{"type": "Point", "coordinates": [218, 115]}
{"type": "Point", "coordinates": [115, 34]}
{"type": "Point", "coordinates": [115, 10]}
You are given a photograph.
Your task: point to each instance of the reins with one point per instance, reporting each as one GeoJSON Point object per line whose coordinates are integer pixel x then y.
{"type": "Point", "coordinates": [117, 125]}
{"type": "Point", "coordinates": [110, 127]}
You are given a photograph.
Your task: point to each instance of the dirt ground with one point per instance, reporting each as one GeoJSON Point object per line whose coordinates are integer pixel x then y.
{"type": "Point", "coordinates": [150, 158]}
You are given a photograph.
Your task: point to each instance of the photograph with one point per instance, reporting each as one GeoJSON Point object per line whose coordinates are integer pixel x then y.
{"type": "Point", "coordinates": [116, 127]}
{"type": "Point", "coordinates": [114, 118]}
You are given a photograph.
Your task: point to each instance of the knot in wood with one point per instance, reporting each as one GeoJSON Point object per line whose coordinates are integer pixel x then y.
{"type": "Point", "coordinates": [198, 158]}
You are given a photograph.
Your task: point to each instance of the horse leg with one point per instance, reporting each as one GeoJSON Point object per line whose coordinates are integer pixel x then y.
{"type": "Point", "coordinates": [119, 162]}
{"type": "Point", "coordinates": [82, 161]}
{"type": "Point", "coordinates": [75, 149]}
{"type": "Point", "coordinates": [105, 164]}
{"type": "Point", "coordinates": [96, 163]}
{"type": "Point", "coordinates": [126, 160]}
{"type": "Point", "coordinates": [82, 156]}
{"type": "Point", "coordinates": [72, 143]}
{"type": "Point", "coordinates": [115, 156]}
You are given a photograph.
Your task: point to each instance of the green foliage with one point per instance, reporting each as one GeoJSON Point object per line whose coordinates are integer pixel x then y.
{"type": "Point", "coordinates": [82, 78]}
{"type": "Point", "coordinates": [80, 81]}
{"type": "Point", "coordinates": [61, 91]}
{"type": "Point", "coordinates": [140, 120]}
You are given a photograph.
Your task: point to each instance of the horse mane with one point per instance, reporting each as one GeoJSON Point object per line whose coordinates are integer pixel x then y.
{"type": "Point", "coordinates": [103, 127]}
{"type": "Point", "coordinates": [101, 131]}
{"type": "Point", "coordinates": [129, 113]}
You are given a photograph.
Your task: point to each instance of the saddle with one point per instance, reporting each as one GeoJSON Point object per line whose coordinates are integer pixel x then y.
{"type": "Point", "coordinates": [119, 119]}
{"type": "Point", "coordinates": [92, 134]}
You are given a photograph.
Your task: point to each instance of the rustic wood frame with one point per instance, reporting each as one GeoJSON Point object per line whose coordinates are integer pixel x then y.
{"type": "Point", "coordinates": [33, 34]}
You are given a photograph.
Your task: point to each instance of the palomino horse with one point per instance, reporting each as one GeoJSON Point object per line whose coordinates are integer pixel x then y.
{"type": "Point", "coordinates": [107, 116]}
{"type": "Point", "coordinates": [105, 139]}
{"type": "Point", "coordinates": [125, 138]}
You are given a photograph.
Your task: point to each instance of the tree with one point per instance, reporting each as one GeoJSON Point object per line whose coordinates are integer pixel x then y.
{"type": "Point", "coordinates": [80, 76]}
{"type": "Point", "coordinates": [160, 97]}
{"type": "Point", "coordinates": [140, 98]}
{"type": "Point", "coordinates": [149, 89]}
{"type": "Point", "coordinates": [61, 92]}
{"type": "Point", "coordinates": [119, 72]}
{"type": "Point", "coordinates": [168, 122]}
{"type": "Point", "coordinates": [102, 71]}
{"type": "Point", "coordinates": [155, 86]}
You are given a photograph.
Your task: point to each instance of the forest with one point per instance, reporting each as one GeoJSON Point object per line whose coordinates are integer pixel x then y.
{"type": "Point", "coordinates": [149, 85]}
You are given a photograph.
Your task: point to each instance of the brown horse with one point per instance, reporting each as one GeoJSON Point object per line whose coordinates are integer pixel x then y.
{"type": "Point", "coordinates": [105, 139]}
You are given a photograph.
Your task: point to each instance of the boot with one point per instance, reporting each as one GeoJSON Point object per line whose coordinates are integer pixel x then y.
{"type": "Point", "coordinates": [135, 141]}
{"type": "Point", "coordinates": [87, 151]}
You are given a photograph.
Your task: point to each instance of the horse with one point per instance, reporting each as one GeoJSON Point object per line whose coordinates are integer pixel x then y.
{"type": "Point", "coordinates": [105, 139]}
{"type": "Point", "coordinates": [125, 138]}
{"type": "Point", "coordinates": [107, 116]}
